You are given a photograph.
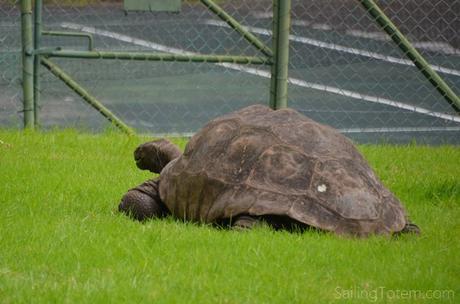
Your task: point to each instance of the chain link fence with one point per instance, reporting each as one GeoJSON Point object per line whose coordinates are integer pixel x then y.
{"type": "Point", "coordinates": [10, 66]}
{"type": "Point", "coordinates": [344, 70]}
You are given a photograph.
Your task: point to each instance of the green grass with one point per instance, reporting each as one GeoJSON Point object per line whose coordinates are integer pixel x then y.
{"type": "Point", "coordinates": [62, 240]}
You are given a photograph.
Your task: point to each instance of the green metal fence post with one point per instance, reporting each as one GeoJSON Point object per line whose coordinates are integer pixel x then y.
{"type": "Point", "coordinates": [388, 26]}
{"type": "Point", "coordinates": [280, 67]}
{"type": "Point", "coordinates": [27, 63]}
{"type": "Point", "coordinates": [37, 45]}
{"type": "Point", "coordinates": [274, 52]}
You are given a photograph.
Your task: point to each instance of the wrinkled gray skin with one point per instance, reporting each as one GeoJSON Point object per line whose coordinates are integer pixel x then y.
{"type": "Point", "coordinates": [258, 164]}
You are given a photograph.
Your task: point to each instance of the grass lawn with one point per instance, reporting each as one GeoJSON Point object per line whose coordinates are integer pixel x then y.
{"type": "Point", "coordinates": [62, 239]}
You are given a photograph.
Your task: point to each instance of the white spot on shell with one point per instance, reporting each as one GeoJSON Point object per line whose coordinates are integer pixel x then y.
{"type": "Point", "coordinates": [322, 188]}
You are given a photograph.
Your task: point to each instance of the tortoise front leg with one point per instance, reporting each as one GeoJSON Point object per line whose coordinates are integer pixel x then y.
{"type": "Point", "coordinates": [143, 202]}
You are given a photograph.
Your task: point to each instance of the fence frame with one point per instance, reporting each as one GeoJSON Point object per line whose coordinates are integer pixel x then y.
{"type": "Point", "coordinates": [277, 57]}
{"type": "Point", "coordinates": [35, 56]}
{"type": "Point", "coordinates": [27, 64]}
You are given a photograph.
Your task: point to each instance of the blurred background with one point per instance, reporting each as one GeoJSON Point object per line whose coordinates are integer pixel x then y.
{"type": "Point", "coordinates": [344, 70]}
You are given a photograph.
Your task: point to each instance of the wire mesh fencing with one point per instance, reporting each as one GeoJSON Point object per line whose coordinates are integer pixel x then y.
{"type": "Point", "coordinates": [356, 77]}
{"type": "Point", "coordinates": [344, 70]}
{"type": "Point", "coordinates": [10, 66]}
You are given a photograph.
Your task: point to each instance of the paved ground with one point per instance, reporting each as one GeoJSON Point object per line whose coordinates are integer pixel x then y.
{"type": "Point", "coordinates": [348, 76]}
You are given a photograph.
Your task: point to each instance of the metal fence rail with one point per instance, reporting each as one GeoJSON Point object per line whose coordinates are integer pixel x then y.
{"type": "Point", "coordinates": [344, 69]}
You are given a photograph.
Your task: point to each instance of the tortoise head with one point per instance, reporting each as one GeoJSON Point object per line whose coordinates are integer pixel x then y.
{"type": "Point", "coordinates": [155, 155]}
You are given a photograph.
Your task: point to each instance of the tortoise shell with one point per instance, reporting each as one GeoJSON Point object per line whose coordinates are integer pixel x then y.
{"type": "Point", "coordinates": [258, 161]}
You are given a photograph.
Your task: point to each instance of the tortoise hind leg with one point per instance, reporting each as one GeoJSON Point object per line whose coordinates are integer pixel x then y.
{"type": "Point", "coordinates": [409, 228]}
{"type": "Point", "coordinates": [245, 222]}
{"type": "Point", "coordinates": [143, 202]}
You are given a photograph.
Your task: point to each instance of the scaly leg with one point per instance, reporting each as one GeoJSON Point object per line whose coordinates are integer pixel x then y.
{"type": "Point", "coordinates": [143, 202]}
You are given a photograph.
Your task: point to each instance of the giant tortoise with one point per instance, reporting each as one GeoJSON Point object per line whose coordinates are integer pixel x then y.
{"type": "Point", "coordinates": [259, 164]}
